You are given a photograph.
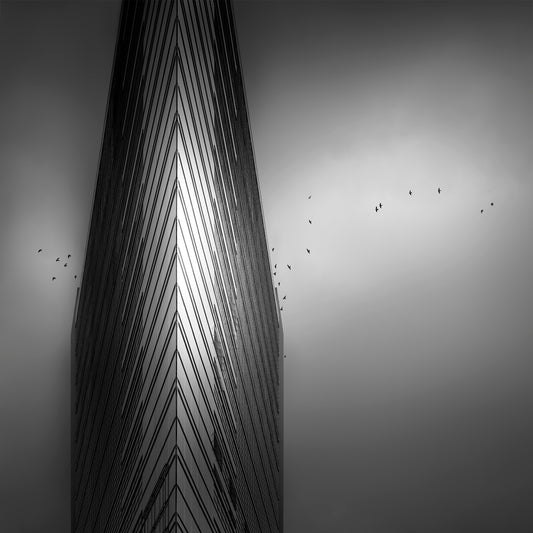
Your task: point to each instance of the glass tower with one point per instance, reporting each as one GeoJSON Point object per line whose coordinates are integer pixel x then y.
{"type": "Point", "coordinates": [177, 369]}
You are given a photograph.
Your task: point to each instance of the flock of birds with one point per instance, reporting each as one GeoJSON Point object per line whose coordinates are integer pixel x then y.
{"type": "Point", "coordinates": [289, 266]}
{"type": "Point", "coordinates": [439, 190]}
{"type": "Point", "coordinates": [58, 260]}
{"type": "Point", "coordinates": [376, 208]}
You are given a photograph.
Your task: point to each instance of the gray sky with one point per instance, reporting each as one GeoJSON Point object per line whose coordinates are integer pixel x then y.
{"type": "Point", "coordinates": [55, 62]}
{"type": "Point", "coordinates": [408, 331]}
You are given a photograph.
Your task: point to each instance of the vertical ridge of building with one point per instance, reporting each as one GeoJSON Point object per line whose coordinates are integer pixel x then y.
{"type": "Point", "coordinates": [177, 367]}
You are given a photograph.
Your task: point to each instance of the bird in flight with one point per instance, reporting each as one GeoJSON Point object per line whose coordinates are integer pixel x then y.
{"type": "Point", "coordinates": [309, 197]}
{"type": "Point", "coordinates": [281, 308]}
{"type": "Point", "coordinates": [308, 251]}
{"type": "Point", "coordinates": [75, 277]}
{"type": "Point", "coordinates": [39, 250]}
{"type": "Point", "coordinates": [410, 192]}
{"type": "Point", "coordinates": [310, 221]}
{"type": "Point", "coordinates": [65, 265]}
{"type": "Point", "coordinates": [53, 278]}
{"type": "Point", "coordinates": [57, 259]}
{"type": "Point", "coordinates": [492, 203]}
{"type": "Point", "coordinates": [276, 265]}
{"type": "Point", "coordinates": [380, 206]}
{"type": "Point", "coordinates": [289, 267]}
{"type": "Point", "coordinates": [377, 209]}
{"type": "Point", "coordinates": [285, 297]}
{"type": "Point", "coordinates": [68, 256]}
{"type": "Point", "coordinates": [482, 211]}
{"type": "Point", "coordinates": [438, 190]}
{"type": "Point", "coordinates": [279, 283]}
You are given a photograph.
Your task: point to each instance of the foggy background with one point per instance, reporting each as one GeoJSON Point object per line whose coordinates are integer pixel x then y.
{"type": "Point", "coordinates": [407, 332]}
{"type": "Point", "coordinates": [55, 64]}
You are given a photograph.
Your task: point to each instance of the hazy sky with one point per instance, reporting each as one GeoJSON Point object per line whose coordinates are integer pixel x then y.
{"type": "Point", "coordinates": [407, 332]}
{"type": "Point", "coordinates": [55, 62]}
{"type": "Point", "coordinates": [408, 397]}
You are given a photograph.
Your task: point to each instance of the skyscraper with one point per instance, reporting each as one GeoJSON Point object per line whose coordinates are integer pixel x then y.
{"type": "Point", "coordinates": [177, 365]}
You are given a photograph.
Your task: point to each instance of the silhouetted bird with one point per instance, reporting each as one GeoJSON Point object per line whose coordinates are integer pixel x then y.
{"type": "Point", "coordinates": [274, 273]}
{"type": "Point", "coordinates": [285, 297]}
{"type": "Point", "coordinates": [482, 211]}
{"type": "Point", "coordinates": [272, 249]}
{"type": "Point", "coordinates": [377, 209]}
{"type": "Point", "coordinates": [310, 221]}
{"type": "Point", "coordinates": [57, 259]}
{"type": "Point", "coordinates": [410, 192]}
{"type": "Point", "coordinates": [39, 250]}
{"type": "Point", "coordinates": [279, 283]}
{"type": "Point", "coordinates": [308, 251]}
{"type": "Point", "coordinates": [65, 265]}
{"type": "Point", "coordinates": [380, 206]}
{"type": "Point", "coordinates": [492, 203]}
{"type": "Point", "coordinates": [289, 267]}
{"type": "Point", "coordinates": [285, 356]}
{"type": "Point", "coordinates": [75, 277]}
{"type": "Point", "coordinates": [309, 197]}
{"type": "Point", "coordinates": [438, 190]}
{"type": "Point", "coordinates": [281, 308]}
{"type": "Point", "coordinates": [68, 256]}
{"type": "Point", "coordinates": [276, 265]}
{"type": "Point", "coordinates": [53, 278]}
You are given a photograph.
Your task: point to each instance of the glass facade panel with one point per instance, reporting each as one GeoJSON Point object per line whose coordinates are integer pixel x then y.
{"type": "Point", "coordinates": [177, 365]}
{"type": "Point", "coordinates": [227, 298]}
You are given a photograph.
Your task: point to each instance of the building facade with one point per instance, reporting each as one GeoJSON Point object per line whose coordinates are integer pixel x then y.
{"type": "Point", "coordinates": [177, 369]}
